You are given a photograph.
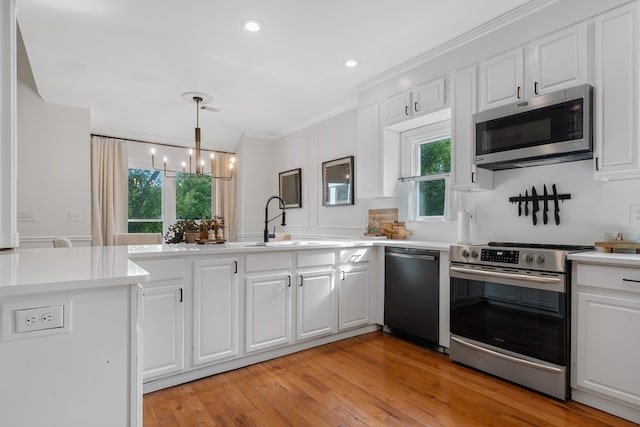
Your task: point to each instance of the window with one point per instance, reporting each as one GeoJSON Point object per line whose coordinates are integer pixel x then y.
{"type": "Point", "coordinates": [427, 154]}
{"type": "Point", "coordinates": [435, 162]}
{"type": "Point", "coordinates": [155, 201]}
{"type": "Point", "coordinates": [145, 201]}
{"type": "Point", "coordinates": [193, 196]}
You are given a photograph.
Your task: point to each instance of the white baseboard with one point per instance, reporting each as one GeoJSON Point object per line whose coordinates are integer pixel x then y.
{"type": "Point", "coordinates": [47, 241]}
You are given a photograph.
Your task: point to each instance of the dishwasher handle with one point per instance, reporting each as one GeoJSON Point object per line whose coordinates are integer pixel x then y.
{"type": "Point", "coordinates": [411, 256]}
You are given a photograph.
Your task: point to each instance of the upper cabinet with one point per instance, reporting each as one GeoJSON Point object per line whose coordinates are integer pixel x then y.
{"type": "Point", "coordinates": [378, 159]}
{"type": "Point", "coordinates": [466, 176]}
{"type": "Point", "coordinates": [616, 94]}
{"type": "Point", "coordinates": [554, 62]}
{"type": "Point", "coordinates": [423, 99]}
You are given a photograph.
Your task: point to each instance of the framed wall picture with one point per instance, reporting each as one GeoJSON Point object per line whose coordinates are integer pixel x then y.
{"type": "Point", "coordinates": [291, 188]}
{"type": "Point", "coordinates": [337, 182]}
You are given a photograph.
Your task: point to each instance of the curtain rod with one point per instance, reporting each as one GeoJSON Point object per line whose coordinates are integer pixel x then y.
{"type": "Point", "coordinates": [163, 144]}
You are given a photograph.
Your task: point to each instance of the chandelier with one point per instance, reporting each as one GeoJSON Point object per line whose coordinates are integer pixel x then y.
{"type": "Point", "coordinates": [200, 163]}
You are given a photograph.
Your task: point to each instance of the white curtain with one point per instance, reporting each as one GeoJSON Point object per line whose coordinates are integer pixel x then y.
{"type": "Point", "coordinates": [223, 194]}
{"type": "Point", "coordinates": [109, 189]}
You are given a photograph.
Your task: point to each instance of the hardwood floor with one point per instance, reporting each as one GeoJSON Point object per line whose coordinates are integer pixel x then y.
{"type": "Point", "coordinates": [370, 380]}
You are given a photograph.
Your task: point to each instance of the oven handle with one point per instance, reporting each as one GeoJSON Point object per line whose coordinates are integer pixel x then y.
{"type": "Point", "coordinates": [511, 276]}
{"type": "Point", "coordinates": [508, 358]}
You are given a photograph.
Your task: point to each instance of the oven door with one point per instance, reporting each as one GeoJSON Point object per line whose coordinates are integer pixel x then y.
{"type": "Point", "coordinates": [516, 310]}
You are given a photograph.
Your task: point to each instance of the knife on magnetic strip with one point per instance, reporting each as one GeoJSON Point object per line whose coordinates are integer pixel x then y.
{"type": "Point", "coordinates": [536, 208]}
{"type": "Point", "coordinates": [556, 209]}
{"type": "Point", "coordinates": [545, 204]}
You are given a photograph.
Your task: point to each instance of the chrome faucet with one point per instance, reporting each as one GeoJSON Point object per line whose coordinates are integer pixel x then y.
{"type": "Point", "coordinates": [267, 220]}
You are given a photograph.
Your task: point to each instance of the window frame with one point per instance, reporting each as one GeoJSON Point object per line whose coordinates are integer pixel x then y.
{"type": "Point", "coordinates": [414, 139]}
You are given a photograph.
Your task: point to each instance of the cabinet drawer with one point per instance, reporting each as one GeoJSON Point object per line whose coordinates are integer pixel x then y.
{"type": "Point", "coordinates": [266, 262]}
{"type": "Point", "coordinates": [349, 255]}
{"type": "Point", "coordinates": [163, 269]}
{"type": "Point", "coordinates": [316, 258]}
{"type": "Point", "coordinates": [619, 278]}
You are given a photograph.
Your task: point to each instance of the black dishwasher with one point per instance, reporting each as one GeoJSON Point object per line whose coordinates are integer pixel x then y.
{"type": "Point", "coordinates": [411, 282]}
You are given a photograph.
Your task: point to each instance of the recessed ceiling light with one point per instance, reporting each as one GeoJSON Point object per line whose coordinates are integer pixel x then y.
{"type": "Point", "coordinates": [251, 25]}
{"type": "Point", "coordinates": [350, 63]}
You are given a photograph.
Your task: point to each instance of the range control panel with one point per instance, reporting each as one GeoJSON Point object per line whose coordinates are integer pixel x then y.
{"type": "Point", "coordinates": [500, 255]}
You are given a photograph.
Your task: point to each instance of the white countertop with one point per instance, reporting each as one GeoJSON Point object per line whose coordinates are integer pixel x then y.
{"type": "Point", "coordinates": [597, 257]}
{"type": "Point", "coordinates": [28, 271]}
{"type": "Point", "coordinates": [142, 251]}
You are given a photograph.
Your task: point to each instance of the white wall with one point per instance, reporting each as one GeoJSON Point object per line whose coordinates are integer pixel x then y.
{"type": "Point", "coordinates": [261, 161]}
{"type": "Point", "coordinates": [54, 166]}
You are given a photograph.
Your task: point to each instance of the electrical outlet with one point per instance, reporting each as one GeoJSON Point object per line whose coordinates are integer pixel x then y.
{"type": "Point", "coordinates": [27, 216]}
{"type": "Point", "coordinates": [634, 214]}
{"type": "Point", "coordinates": [74, 216]}
{"type": "Point", "coordinates": [39, 318]}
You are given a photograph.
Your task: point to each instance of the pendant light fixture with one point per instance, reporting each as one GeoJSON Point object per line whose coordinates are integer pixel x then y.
{"type": "Point", "coordinates": [200, 168]}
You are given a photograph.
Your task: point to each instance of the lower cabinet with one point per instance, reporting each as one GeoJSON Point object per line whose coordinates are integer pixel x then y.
{"type": "Point", "coordinates": [606, 343]}
{"type": "Point", "coordinates": [268, 311]}
{"type": "Point", "coordinates": [316, 304]}
{"type": "Point", "coordinates": [163, 326]}
{"type": "Point", "coordinates": [354, 296]}
{"type": "Point", "coordinates": [215, 310]}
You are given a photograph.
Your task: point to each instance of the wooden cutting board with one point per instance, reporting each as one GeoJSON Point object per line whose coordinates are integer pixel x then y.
{"type": "Point", "coordinates": [608, 247]}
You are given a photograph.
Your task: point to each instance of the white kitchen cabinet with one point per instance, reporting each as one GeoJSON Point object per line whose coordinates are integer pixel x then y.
{"type": "Point", "coordinates": [268, 311]}
{"type": "Point", "coordinates": [465, 176]}
{"type": "Point", "coordinates": [354, 296]}
{"type": "Point", "coordinates": [551, 63]}
{"type": "Point", "coordinates": [617, 94]}
{"type": "Point", "coordinates": [605, 340]}
{"type": "Point", "coordinates": [163, 331]}
{"type": "Point", "coordinates": [316, 304]}
{"type": "Point", "coordinates": [215, 310]}
{"type": "Point", "coordinates": [378, 159]}
{"type": "Point", "coordinates": [422, 99]}
{"type": "Point", "coordinates": [8, 125]}
{"type": "Point", "coordinates": [163, 319]}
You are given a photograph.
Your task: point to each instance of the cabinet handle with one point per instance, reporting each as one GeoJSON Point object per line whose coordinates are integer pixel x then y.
{"type": "Point", "coordinates": [597, 168]}
{"type": "Point", "coordinates": [535, 88]}
{"type": "Point", "coordinates": [341, 274]}
{"type": "Point", "coordinates": [406, 110]}
{"type": "Point", "coordinates": [301, 280]}
{"type": "Point", "coordinates": [473, 177]}
{"type": "Point", "coordinates": [415, 106]}
{"type": "Point", "coordinates": [289, 278]}
{"type": "Point", "coordinates": [181, 295]}
{"type": "Point", "coordinates": [235, 263]}
{"type": "Point", "coordinates": [631, 280]}
{"type": "Point", "coordinates": [518, 94]}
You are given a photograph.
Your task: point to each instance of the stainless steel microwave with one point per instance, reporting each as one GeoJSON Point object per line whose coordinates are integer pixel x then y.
{"type": "Point", "coordinates": [550, 128]}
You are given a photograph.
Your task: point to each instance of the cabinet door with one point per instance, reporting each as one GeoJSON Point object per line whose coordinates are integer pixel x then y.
{"type": "Point", "coordinates": [557, 61]}
{"type": "Point", "coordinates": [608, 348]}
{"type": "Point", "coordinates": [616, 94]}
{"type": "Point", "coordinates": [316, 304]}
{"type": "Point", "coordinates": [465, 175]}
{"type": "Point", "coordinates": [429, 97]}
{"type": "Point", "coordinates": [397, 108]}
{"type": "Point", "coordinates": [215, 310]}
{"type": "Point", "coordinates": [268, 311]}
{"type": "Point", "coordinates": [163, 331]}
{"type": "Point", "coordinates": [368, 169]}
{"type": "Point", "coordinates": [354, 295]}
{"type": "Point", "coordinates": [501, 79]}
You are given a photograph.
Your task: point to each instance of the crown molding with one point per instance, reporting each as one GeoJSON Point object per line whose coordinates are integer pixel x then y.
{"type": "Point", "coordinates": [55, 98]}
{"type": "Point", "coordinates": [318, 119]}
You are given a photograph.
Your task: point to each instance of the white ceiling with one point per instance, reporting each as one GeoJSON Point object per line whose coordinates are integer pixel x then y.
{"type": "Point", "coordinates": [130, 60]}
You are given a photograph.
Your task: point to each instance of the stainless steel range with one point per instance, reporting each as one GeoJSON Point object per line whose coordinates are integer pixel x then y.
{"type": "Point", "coordinates": [510, 312]}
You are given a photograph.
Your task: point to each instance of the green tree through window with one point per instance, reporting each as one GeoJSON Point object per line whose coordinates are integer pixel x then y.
{"type": "Point", "coordinates": [193, 196]}
{"type": "Point", "coordinates": [145, 201]}
{"type": "Point", "coordinates": [435, 159]}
